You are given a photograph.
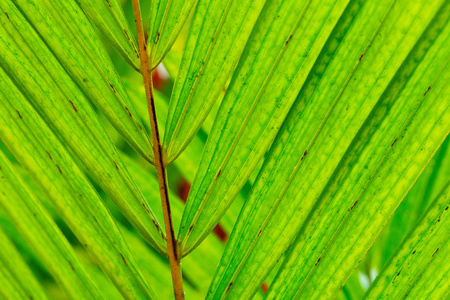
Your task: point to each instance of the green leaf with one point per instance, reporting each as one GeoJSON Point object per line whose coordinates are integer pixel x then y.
{"type": "Point", "coordinates": [72, 40]}
{"type": "Point", "coordinates": [427, 187]}
{"type": "Point", "coordinates": [17, 280]}
{"type": "Point", "coordinates": [199, 267]}
{"type": "Point", "coordinates": [419, 269]}
{"type": "Point", "coordinates": [356, 205]}
{"type": "Point", "coordinates": [167, 18]}
{"type": "Point", "coordinates": [280, 53]}
{"type": "Point", "coordinates": [43, 235]}
{"type": "Point", "coordinates": [51, 166]}
{"type": "Point", "coordinates": [187, 162]}
{"type": "Point", "coordinates": [343, 160]}
{"type": "Point", "coordinates": [109, 18]}
{"type": "Point", "coordinates": [65, 108]}
{"type": "Point", "coordinates": [216, 40]}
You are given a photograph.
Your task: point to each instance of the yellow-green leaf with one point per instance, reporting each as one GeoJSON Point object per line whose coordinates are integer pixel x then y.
{"type": "Point", "coordinates": [65, 108]}
{"type": "Point", "coordinates": [364, 126]}
{"type": "Point", "coordinates": [109, 18]}
{"type": "Point", "coordinates": [418, 269]}
{"type": "Point", "coordinates": [43, 235]}
{"type": "Point", "coordinates": [281, 51]}
{"type": "Point", "coordinates": [51, 166]}
{"type": "Point", "coordinates": [72, 40]}
{"type": "Point", "coordinates": [217, 36]}
{"type": "Point", "coordinates": [17, 280]}
{"type": "Point", "coordinates": [167, 18]}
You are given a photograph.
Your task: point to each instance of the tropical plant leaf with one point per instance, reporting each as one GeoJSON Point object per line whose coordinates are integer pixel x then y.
{"type": "Point", "coordinates": [217, 37]}
{"type": "Point", "coordinates": [167, 18]}
{"type": "Point", "coordinates": [199, 267]}
{"type": "Point", "coordinates": [18, 282]}
{"type": "Point", "coordinates": [424, 251]}
{"type": "Point", "coordinates": [38, 73]}
{"type": "Point", "coordinates": [326, 159]}
{"type": "Point", "coordinates": [187, 163]}
{"type": "Point", "coordinates": [69, 35]}
{"type": "Point", "coordinates": [53, 169]}
{"type": "Point", "coordinates": [43, 235]}
{"type": "Point", "coordinates": [280, 53]}
{"type": "Point", "coordinates": [155, 269]}
{"type": "Point", "coordinates": [109, 18]}
{"type": "Point", "coordinates": [338, 247]}
{"type": "Point", "coordinates": [427, 187]}
{"type": "Point", "coordinates": [317, 122]}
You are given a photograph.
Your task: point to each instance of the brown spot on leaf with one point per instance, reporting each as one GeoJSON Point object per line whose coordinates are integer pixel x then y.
{"type": "Point", "coordinates": [229, 286]}
{"type": "Point", "coordinates": [396, 275]}
{"type": "Point", "coordinates": [264, 287]}
{"type": "Point", "coordinates": [259, 233]}
{"type": "Point", "coordinates": [290, 37]}
{"type": "Point", "coordinates": [361, 57]}
{"type": "Point", "coordinates": [7, 15]}
{"type": "Point", "coordinates": [126, 33]}
{"type": "Point", "coordinates": [414, 252]}
{"type": "Point", "coordinates": [49, 155]}
{"type": "Point", "coordinates": [429, 88]}
{"type": "Point", "coordinates": [318, 261]}
{"type": "Point", "coordinates": [123, 258]}
{"type": "Point", "coordinates": [20, 116]}
{"type": "Point", "coordinates": [109, 4]}
{"type": "Point", "coordinates": [393, 143]}
{"type": "Point", "coordinates": [131, 116]}
{"type": "Point", "coordinates": [117, 167]}
{"type": "Point", "coordinates": [435, 252]}
{"type": "Point", "coordinates": [190, 228]}
{"type": "Point", "coordinates": [354, 204]}
{"type": "Point", "coordinates": [218, 174]}
{"type": "Point", "coordinates": [73, 106]}
{"type": "Point", "coordinates": [112, 87]}
{"type": "Point", "coordinates": [73, 269]}
{"type": "Point", "coordinates": [157, 37]}
{"type": "Point", "coordinates": [59, 168]}
{"type": "Point", "coordinates": [145, 207]}
{"type": "Point", "coordinates": [156, 225]}
{"type": "Point", "coordinates": [304, 154]}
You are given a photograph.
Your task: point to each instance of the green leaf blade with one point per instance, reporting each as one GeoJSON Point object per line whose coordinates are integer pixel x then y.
{"type": "Point", "coordinates": [52, 168]}
{"type": "Point", "coordinates": [216, 40]}
{"type": "Point", "coordinates": [312, 150]}
{"type": "Point", "coordinates": [18, 282]}
{"type": "Point", "coordinates": [401, 276]}
{"type": "Point", "coordinates": [431, 182]}
{"type": "Point", "coordinates": [65, 108]}
{"type": "Point", "coordinates": [256, 103]}
{"type": "Point", "coordinates": [43, 235]}
{"type": "Point", "coordinates": [345, 243]}
{"type": "Point", "coordinates": [109, 18]}
{"type": "Point", "coordinates": [81, 53]}
{"type": "Point", "coordinates": [166, 21]}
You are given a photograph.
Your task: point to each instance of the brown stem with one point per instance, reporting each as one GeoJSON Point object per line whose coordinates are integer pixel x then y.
{"type": "Point", "coordinates": [174, 257]}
